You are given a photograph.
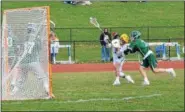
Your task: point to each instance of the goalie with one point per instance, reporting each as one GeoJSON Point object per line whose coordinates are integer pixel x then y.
{"type": "Point", "coordinates": [31, 62]}
{"type": "Point", "coordinates": [119, 46]}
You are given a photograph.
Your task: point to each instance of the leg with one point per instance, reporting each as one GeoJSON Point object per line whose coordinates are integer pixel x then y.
{"type": "Point", "coordinates": [52, 58]}
{"type": "Point", "coordinates": [103, 53]}
{"type": "Point", "coordinates": [19, 79]}
{"type": "Point", "coordinates": [127, 77]}
{"type": "Point", "coordinates": [153, 66]}
{"type": "Point", "coordinates": [15, 76]}
{"type": "Point", "coordinates": [144, 64]}
{"type": "Point", "coordinates": [107, 54]}
{"type": "Point", "coordinates": [116, 66]}
{"type": "Point", "coordinates": [41, 75]}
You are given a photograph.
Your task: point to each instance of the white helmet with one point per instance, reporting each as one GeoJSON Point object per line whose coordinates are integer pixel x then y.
{"type": "Point", "coordinates": [31, 27]}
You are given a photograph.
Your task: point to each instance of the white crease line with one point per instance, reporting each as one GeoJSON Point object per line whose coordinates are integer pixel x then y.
{"type": "Point", "coordinates": [89, 100]}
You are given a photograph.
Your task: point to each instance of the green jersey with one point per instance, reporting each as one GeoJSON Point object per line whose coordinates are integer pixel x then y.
{"type": "Point", "coordinates": [142, 47]}
{"type": "Point", "coordinates": [139, 45]}
{"type": "Point", "coordinates": [33, 53]}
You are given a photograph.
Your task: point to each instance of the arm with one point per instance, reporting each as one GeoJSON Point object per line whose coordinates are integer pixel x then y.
{"type": "Point", "coordinates": [110, 38]}
{"type": "Point", "coordinates": [131, 48]}
{"type": "Point", "coordinates": [101, 39]}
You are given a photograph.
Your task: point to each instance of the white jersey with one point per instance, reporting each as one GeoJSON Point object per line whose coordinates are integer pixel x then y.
{"type": "Point", "coordinates": [118, 55]}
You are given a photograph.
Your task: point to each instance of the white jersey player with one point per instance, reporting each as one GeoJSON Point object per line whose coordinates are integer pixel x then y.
{"type": "Point", "coordinates": [31, 62]}
{"type": "Point", "coordinates": [119, 59]}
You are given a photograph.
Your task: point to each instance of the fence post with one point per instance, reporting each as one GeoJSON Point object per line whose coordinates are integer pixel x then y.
{"type": "Point", "coordinates": [169, 40]}
{"type": "Point", "coordinates": [148, 36]}
{"type": "Point", "coordinates": [74, 52]}
{"type": "Point", "coordinates": [70, 34]}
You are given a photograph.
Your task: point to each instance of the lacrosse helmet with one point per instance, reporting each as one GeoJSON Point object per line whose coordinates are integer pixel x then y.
{"type": "Point", "coordinates": [124, 37]}
{"type": "Point", "coordinates": [114, 33]}
{"type": "Point", "coordinates": [135, 35]}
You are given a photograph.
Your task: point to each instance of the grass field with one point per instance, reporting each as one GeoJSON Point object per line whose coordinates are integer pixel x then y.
{"type": "Point", "coordinates": [110, 14]}
{"type": "Point", "coordinates": [94, 92]}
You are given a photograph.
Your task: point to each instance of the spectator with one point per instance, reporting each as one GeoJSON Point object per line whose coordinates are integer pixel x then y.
{"type": "Point", "coordinates": [142, 1]}
{"type": "Point", "coordinates": [105, 39]}
{"type": "Point", "coordinates": [69, 2]}
{"type": "Point", "coordinates": [85, 2]}
{"type": "Point", "coordinates": [54, 47]}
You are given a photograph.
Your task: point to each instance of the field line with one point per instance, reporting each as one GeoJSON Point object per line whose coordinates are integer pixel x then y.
{"type": "Point", "coordinates": [112, 99]}
{"type": "Point", "coordinates": [88, 100]}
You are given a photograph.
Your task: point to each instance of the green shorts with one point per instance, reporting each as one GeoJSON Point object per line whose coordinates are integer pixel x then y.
{"type": "Point", "coordinates": [150, 61]}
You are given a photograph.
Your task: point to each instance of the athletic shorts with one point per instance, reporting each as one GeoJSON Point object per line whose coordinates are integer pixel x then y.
{"type": "Point", "coordinates": [150, 61]}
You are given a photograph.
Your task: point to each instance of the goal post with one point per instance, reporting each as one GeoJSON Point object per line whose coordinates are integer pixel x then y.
{"type": "Point", "coordinates": [25, 47]}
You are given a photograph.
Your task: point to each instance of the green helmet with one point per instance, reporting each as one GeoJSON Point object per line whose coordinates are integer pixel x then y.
{"type": "Point", "coordinates": [135, 34]}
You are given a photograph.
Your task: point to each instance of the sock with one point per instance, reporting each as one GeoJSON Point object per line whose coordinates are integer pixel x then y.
{"type": "Point", "coordinates": [146, 79]}
{"type": "Point", "coordinates": [117, 78]}
{"type": "Point", "coordinates": [168, 70]}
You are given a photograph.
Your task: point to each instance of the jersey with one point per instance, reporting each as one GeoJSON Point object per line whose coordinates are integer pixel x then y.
{"type": "Point", "coordinates": [143, 48]}
{"type": "Point", "coordinates": [118, 55]}
{"type": "Point", "coordinates": [33, 50]}
{"type": "Point", "coordinates": [139, 45]}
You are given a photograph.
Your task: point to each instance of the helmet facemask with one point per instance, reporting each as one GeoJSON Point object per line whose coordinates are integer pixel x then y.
{"type": "Point", "coordinates": [31, 28]}
{"type": "Point", "coordinates": [135, 35]}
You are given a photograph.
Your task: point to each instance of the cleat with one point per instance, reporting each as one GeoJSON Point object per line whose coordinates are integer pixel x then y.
{"type": "Point", "coordinates": [146, 83]}
{"type": "Point", "coordinates": [116, 83]}
{"type": "Point", "coordinates": [129, 79]}
{"type": "Point", "coordinates": [172, 72]}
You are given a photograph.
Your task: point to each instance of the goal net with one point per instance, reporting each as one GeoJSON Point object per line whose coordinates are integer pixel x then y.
{"type": "Point", "coordinates": [26, 72]}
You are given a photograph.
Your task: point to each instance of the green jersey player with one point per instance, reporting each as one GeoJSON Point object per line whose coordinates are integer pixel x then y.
{"type": "Point", "coordinates": [149, 60]}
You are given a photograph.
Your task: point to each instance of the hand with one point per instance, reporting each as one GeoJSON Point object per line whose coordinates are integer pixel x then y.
{"type": "Point", "coordinates": [108, 45]}
{"type": "Point", "coordinates": [126, 52]}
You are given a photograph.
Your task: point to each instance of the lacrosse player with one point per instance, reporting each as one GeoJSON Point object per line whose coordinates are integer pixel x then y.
{"type": "Point", "coordinates": [31, 61]}
{"type": "Point", "coordinates": [119, 57]}
{"type": "Point", "coordinates": [149, 60]}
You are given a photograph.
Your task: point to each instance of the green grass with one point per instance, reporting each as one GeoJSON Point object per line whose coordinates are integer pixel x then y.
{"type": "Point", "coordinates": [110, 14]}
{"type": "Point", "coordinates": [75, 86]}
{"type": "Point", "coordinates": [113, 14]}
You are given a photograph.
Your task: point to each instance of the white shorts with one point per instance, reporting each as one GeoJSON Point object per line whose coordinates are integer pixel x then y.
{"type": "Point", "coordinates": [120, 61]}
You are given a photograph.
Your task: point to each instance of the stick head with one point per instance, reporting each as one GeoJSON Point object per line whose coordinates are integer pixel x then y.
{"type": "Point", "coordinates": [94, 22]}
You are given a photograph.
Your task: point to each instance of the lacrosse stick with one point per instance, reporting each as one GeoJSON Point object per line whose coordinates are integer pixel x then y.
{"type": "Point", "coordinates": [52, 25]}
{"type": "Point", "coordinates": [96, 24]}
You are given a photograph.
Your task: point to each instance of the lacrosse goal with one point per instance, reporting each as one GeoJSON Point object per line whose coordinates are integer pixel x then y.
{"type": "Point", "coordinates": [25, 67]}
